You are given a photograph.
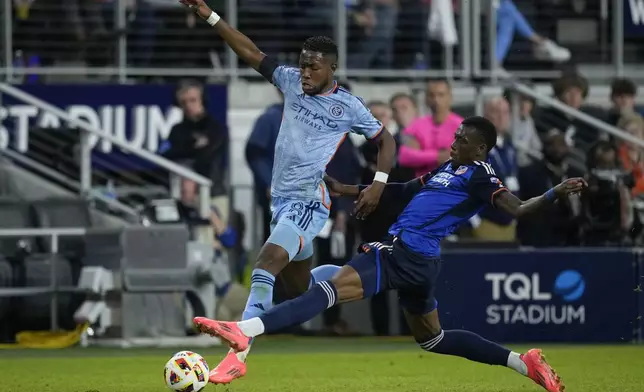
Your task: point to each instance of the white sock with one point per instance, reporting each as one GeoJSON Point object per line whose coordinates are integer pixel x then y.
{"type": "Point", "coordinates": [515, 362]}
{"type": "Point", "coordinates": [251, 327]}
{"type": "Point", "coordinates": [242, 354]}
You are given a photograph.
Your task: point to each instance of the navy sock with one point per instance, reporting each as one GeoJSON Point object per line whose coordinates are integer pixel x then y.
{"type": "Point", "coordinates": [467, 345]}
{"type": "Point", "coordinates": [321, 296]}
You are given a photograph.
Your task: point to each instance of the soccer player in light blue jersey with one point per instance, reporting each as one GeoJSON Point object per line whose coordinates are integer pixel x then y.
{"type": "Point", "coordinates": [318, 114]}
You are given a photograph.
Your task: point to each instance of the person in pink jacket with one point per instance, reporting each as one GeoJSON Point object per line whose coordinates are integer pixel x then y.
{"type": "Point", "coordinates": [426, 141]}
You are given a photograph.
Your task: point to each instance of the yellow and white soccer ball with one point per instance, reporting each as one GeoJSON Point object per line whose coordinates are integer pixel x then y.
{"type": "Point", "coordinates": [186, 372]}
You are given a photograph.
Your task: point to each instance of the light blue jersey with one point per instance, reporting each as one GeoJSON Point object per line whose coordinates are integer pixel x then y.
{"type": "Point", "coordinates": [313, 127]}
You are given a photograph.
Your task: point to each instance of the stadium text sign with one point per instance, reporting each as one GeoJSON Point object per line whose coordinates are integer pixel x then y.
{"type": "Point", "coordinates": [139, 115]}
{"type": "Point", "coordinates": [568, 295]}
{"type": "Point", "coordinates": [519, 299]}
{"type": "Point", "coordinates": [148, 126]}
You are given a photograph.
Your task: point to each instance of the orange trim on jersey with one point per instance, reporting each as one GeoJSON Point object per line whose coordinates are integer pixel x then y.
{"type": "Point", "coordinates": [496, 192]}
{"type": "Point", "coordinates": [337, 147]}
{"type": "Point", "coordinates": [333, 90]}
{"type": "Point", "coordinates": [301, 244]}
{"type": "Point", "coordinates": [382, 127]}
{"type": "Point", "coordinates": [327, 206]}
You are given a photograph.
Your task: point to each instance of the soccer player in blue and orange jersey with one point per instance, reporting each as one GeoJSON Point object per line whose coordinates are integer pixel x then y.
{"type": "Point", "coordinates": [437, 203]}
{"type": "Point", "coordinates": [318, 114]}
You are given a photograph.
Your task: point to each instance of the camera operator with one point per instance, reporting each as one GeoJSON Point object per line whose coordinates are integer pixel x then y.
{"type": "Point", "coordinates": [607, 203]}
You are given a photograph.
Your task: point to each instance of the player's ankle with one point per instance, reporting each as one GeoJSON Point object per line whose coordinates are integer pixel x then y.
{"type": "Point", "coordinates": [516, 362]}
{"type": "Point", "coordinates": [252, 327]}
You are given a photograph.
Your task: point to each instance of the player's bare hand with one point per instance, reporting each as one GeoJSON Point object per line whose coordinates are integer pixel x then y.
{"type": "Point", "coordinates": [368, 199]}
{"type": "Point", "coordinates": [570, 187]}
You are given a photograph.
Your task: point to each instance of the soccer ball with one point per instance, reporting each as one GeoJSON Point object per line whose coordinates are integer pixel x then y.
{"type": "Point", "coordinates": [186, 372]}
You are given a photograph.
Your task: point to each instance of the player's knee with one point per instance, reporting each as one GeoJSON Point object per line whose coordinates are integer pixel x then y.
{"type": "Point", "coordinates": [272, 258]}
{"type": "Point", "coordinates": [348, 285]}
{"type": "Point", "coordinates": [430, 341]}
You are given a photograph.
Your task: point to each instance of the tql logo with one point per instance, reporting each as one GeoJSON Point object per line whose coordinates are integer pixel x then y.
{"type": "Point", "coordinates": [521, 299]}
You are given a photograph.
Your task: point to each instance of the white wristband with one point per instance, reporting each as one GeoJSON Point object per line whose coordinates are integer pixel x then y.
{"type": "Point", "coordinates": [213, 18]}
{"type": "Point", "coordinates": [381, 177]}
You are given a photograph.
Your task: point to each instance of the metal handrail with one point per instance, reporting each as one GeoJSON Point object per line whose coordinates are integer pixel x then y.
{"type": "Point", "coordinates": [47, 171]}
{"type": "Point", "coordinates": [175, 169]}
{"type": "Point", "coordinates": [572, 112]}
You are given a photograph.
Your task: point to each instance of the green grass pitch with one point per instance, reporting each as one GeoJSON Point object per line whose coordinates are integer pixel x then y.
{"type": "Point", "coordinates": [287, 364]}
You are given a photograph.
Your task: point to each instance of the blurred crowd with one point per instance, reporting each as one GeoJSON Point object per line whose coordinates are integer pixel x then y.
{"type": "Point", "coordinates": [537, 148]}
{"type": "Point", "coordinates": [382, 34]}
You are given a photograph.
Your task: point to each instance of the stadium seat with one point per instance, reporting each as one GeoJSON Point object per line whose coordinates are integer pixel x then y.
{"type": "Point", "coordinates": [6, 281]}
{"type": "Point", "coordinates": [15, 214]}
{"type": "Point", "coordinates": [37, 270]}
{"type": "Point", "coordinates": [63, 212]}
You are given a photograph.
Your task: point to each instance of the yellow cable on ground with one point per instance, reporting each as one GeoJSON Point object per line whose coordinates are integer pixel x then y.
{"type": "Point", "coordinates": [47, 339]}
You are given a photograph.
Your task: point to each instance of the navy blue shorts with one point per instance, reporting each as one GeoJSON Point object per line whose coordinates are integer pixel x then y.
{"type": "Point", "coordinates": [390, 265]}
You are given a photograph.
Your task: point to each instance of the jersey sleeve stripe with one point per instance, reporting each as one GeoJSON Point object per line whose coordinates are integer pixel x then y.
{"type": "Point", "coordinates": [337, 147]}
{"type": "Point", "coordinates": [377, 133]}
{"type": "Point", "coordinates": [496, 193]}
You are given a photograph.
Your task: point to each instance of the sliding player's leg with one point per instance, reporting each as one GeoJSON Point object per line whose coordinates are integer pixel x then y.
{"type": "Point", "coordinates": [361, 278]}
{"type": "Point", "coordinates": [297, 223]}
{"type": "Point", "coordinates": [422, 317]}
{"type": "Point", "coordinates": [297, 277]}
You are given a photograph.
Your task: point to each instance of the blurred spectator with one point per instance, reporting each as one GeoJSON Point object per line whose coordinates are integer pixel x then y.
{"type": "Point", "coordinates": [375, 27]}
{"type": "Point", "coordinates": [260, 152]}
{"type": "Point", "coordinates": [524, 133]}
{"type": "Point", "coordinates": [411, 41]}
{"type": "Point", "coordinates": [265, 22]}
{"type": "Point", "coordinates": [622, 96]}
{"type": "Point", "coordinates": [630, 154]}
{"type": "Point", "coordinates": [557, 224]}
{"type": "Point", "coordinates": [606, 202]}
{"type": "Point", "coordinates": [201, 142]}
{"type": "Point", "coordinates": [85, 19]}
{"type": "Point", "coordinates": [404, 110]}
{"type": "Point", "coordinates": [572, 90]}
{"type": "Point", "coordinates": [227, 237]}
{"type": "Point", "coordinates": [375, 227]}
{"type": "Point", "coordinates": [509, 20]}
{"type": "Point", "coordinates": [172, 49]}
{"type": "Point", "coordinates": [427, 140]}
{"type": "Point", "coordinates": [492, 224]}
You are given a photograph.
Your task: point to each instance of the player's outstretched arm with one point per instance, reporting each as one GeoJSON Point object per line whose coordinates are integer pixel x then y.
{"type": "Point", "coordinates": [516, 207]}
{"type": "Point", "coordinates": [395, 190]}
{"type": "Point", "coordinates": [241, 44]}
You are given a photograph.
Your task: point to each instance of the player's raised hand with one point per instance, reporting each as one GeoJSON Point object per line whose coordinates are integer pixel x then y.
{"type": "Point", "coordinates": [368, 199]}
{"type": "Point", "coordinates": [193, 3]}
{"type": "Point", "coordinates": [570, 186]}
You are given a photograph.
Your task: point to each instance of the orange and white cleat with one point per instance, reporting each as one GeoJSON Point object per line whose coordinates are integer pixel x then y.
{"type": "Point", "coordinates": [228, 331]}
{"type": "Point", "coordinates": [229, 369]}
{"type": "Point", "coordinates": [541, 372]}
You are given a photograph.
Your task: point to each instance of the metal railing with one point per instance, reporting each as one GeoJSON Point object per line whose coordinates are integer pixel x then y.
{"type": "Point", "coordinates": [129, 46]}
{"type": "Point", "coordinates": [85, 187]}
{"type": "Point", "coordinates": [577, 114]}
